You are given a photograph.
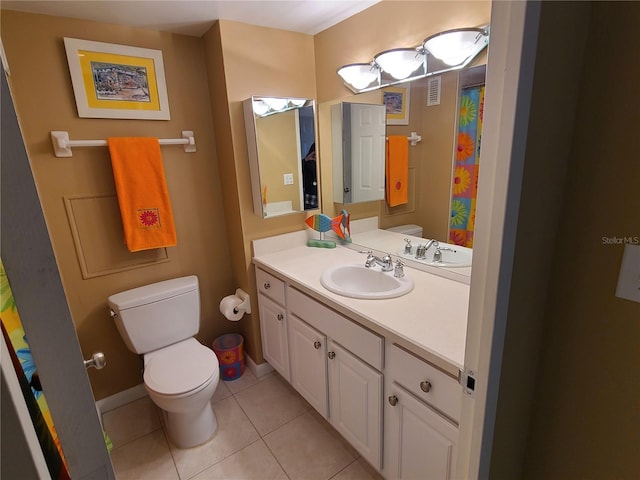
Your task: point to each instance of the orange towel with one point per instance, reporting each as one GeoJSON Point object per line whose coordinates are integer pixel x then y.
{"type": "Point", "coordinates": [397, 170]}
{"type": "Point", "coordinates": [142, 193]}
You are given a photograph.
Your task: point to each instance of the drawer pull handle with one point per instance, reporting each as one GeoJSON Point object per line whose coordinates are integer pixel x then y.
{"type": "Point", "coordinates": [393, 400]}
{"type": "Point", "coordinates": [331, 355]}
{"type": "Point", "coordinates": [317, 345]}
{"type": "Point", "coordinates": [280, 316]}
{"type": "Point", "coordinates": [266, 285]}
{"type": "Point", "coordinates": [425, 386]}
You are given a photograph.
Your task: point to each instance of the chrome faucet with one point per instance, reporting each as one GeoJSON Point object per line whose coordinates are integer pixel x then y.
{"type": "Point", "coordinates": [421, 251]}
{"type": "Point", "coordinates": [385, 262]}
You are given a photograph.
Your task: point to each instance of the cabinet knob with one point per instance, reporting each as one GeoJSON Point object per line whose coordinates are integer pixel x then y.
{"type": "Point", "coordinates": [393, 400]}
{"type": "Point", "coordinates": [425, 386]}
{"type": "Point", "coordinates": [317, 345]}
{"type": "Point", "coordinates": [280, 316]}
{"type": "Point", "coordinates": [266, 285]}
{"type": "Point", "coordinates": [331, 355]}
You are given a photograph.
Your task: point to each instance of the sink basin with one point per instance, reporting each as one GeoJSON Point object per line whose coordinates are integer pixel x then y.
{"type": "Point", "coordinates": [452, 256]}
{"type": "Point", "coordinates": [358, 281]}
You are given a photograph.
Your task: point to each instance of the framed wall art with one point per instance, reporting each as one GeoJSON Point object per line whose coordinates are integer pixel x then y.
{"type": "Point", "coordinates": [396, 101]}
{"type": "Point", "coordinates": [117, 81]}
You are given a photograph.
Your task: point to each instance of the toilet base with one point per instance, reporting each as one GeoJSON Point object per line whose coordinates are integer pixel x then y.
{"type": "Point", "coordinates": [188, 430]}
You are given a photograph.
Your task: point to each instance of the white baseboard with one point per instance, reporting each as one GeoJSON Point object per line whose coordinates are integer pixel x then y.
{"type": "Point", "coordinates": [121, 398]}
{"type": "Point", "coordinates": [134, 393]}
{"type": "Point", "coordinates": [258, 370]}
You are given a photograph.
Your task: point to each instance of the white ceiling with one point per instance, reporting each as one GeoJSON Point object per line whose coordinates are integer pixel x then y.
{"type": "Point", "coordinates": [191, 17]}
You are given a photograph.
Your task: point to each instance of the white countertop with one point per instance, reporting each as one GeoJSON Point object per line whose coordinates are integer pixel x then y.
{"type": "Point", "coordinates": [431, 320]}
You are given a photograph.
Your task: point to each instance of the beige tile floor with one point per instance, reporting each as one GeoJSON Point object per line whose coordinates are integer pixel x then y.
{"type": "Point", "coordinates": [265, 431]}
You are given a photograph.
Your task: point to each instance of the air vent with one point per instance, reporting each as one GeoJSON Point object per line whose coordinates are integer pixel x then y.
{"type": "Point", "coordinates": [433, 91]}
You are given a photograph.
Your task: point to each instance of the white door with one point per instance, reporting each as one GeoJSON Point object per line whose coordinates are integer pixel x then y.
{"type": "Point", "coordinates": [421, 444]}
{"type": "Point", "coordinates": [308, 350]}
{"type": "Point", "coordinates": [31, 267]}
{"type": "Point", "coordinates": [368, 141]}
{"type": "Point", "coordinates": [273, 328]}
{"type": "Point", "coordinates": [355, 402]}
{"type": "Point", "coordinates": [507, 98]}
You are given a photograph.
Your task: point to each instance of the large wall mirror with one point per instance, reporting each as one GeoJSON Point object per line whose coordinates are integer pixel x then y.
{"type": "Point", "coordinates": [441, 166]}
{"type": "Point", "coordinates": [281, 141]}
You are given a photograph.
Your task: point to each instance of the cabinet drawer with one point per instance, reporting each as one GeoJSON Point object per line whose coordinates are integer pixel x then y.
{"type": "Point", "coordinates": [270, 286]}
{"type": "Point", "coordinates": [363, 343]}
{"type": "Point", "coordinates": [443, 392]}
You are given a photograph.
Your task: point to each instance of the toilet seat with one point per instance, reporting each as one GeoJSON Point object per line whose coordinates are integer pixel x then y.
{"type": "Point", "coordinates": [180, 368]}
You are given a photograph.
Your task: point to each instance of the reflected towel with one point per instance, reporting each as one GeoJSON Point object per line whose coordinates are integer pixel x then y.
{"type": "Point", "coordinates": [143, 196]}
{"type": "Point", "coordinates": [397, 170]}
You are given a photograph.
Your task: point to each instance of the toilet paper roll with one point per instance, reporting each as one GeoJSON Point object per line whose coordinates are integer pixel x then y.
{"type": "Point", "coordinates": [228, 307]}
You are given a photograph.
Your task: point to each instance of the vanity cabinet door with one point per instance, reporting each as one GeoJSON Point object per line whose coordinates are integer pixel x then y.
{"type": "Point", "coordinates": [308, 351]}
{"type": "Point", "coordinates": [419, 443]}
{"type": "Point", "coordinates": [355, 409]}
{"type": "Point", "coordinates": [273, 328]}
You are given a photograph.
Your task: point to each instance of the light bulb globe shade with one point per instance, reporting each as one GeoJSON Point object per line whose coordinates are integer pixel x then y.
{"type": "Point", "coordinates": [400, 62]}
{"type": "Point", "coordinates": [454, 46]}
{"type": "Point", "coordinates": [359, 75]}
{"type": "Point", "coordinates": [259, 107]}
{"type": "Point", "coordinates": [297, 102]}
{"type": "Point", "coordinates": [275, 103]}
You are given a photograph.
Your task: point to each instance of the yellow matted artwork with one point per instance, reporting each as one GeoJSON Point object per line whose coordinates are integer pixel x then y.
{"type": "Point", "coordinates": [396, 101]}
{"type": "Point", "coordinates": [117, 81]}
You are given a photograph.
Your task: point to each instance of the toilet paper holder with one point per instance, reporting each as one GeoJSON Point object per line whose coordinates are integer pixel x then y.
{"type": "Point", "coordinates": [245, 306]}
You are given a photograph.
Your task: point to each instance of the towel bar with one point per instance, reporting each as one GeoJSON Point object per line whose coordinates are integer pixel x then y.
{"type": "Point", "coordinates": [62, 145]}
{"type": "Point", "coordinates": [414, 138]}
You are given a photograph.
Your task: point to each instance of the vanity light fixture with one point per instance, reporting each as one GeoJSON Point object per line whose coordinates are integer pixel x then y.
{"type": "Point", "coordinates": [264, 106]}
{"type": "Point", "coordinates": [455, 47]}
{"type": "Point", "coordinates": [359, 75]}
{"type": "Point", "coordinates": [400, 63]}
{"type": "Point", "coordinates": [259, 107]}
{"type": "Point", "coordinates": [447, 51]}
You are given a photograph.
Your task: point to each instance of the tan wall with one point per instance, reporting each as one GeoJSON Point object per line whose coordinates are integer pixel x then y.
{"type": "Point", "coordinates": [44, 101]}
{"type": "Point", "coordinates": [286, 65]}
{"type": "Point", "coordinates": [391, 24]}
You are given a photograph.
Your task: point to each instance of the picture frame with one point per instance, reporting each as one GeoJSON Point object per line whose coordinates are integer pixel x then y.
{"type": "Point", "coordinates": [396, 100]}
{"type": "Point", "coordinates": [117, 81]}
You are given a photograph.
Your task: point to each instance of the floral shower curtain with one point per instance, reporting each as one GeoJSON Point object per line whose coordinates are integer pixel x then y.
{"type": "Point", "coordinates": [25, 367]}
{"type": "Point", "coordinates": [467, 165]}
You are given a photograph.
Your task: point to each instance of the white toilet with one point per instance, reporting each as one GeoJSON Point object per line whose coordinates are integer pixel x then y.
{"type": "Point", "coordinates": [159, 321]}
{"type": "Point", "coordinates": [409, 229]}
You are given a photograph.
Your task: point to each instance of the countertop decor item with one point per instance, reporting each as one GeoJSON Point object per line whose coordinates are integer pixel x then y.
{"type": "Point", "coordinates": [324, 223]}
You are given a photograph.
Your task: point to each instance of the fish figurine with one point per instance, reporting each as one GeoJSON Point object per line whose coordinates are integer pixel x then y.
{"type": "Point", "coordinates": [323, 223]}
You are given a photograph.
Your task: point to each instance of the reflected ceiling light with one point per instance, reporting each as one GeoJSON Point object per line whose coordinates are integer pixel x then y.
{"type": "Point", "coordinates": [453, 47]}
{"type": "Point", "coordinates": [259, 107]}
{"type": "Point", "coordinates": [400, 62]}
{"type": "Point", "coordinates": [360, 75]}
{"type": "Point", "coordinates": [275, 103]}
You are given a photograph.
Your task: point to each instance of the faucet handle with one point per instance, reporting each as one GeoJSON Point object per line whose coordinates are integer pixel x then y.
{"type": "Point", "coordinates": [398, 269]}
{"type": "Point", "coordinates": [407, 246]}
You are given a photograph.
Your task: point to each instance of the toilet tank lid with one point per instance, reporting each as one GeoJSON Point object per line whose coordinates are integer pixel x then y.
{"type": "Point", "coordinates": [411, 227]}
{"type": "Point", "coordinates": [154, 292]}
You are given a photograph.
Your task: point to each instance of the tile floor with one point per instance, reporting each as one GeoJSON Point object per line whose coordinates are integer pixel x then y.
{"type": "Point", "coordinates": [266, 430]}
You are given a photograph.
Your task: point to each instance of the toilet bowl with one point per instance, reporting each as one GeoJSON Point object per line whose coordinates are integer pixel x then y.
{"type": "Point", "coordinates": [180, 374]}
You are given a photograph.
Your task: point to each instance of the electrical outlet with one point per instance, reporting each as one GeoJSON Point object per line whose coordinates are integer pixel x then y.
{"type": "Point", "coordinates": [629, 278]}
{"type": "Point", "coordinates": [288, 178]}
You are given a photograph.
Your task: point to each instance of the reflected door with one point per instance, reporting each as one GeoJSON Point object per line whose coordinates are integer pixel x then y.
{"type": "Point", "coordinates": [368, 130]}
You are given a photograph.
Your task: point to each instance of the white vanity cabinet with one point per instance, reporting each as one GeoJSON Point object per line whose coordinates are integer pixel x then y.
{"type": "Point", "coordinates": [332, 366]}
{"type": "Point", "coordinates": [273, 322]}
{"type": "Point", "coordinates": [422, 406]}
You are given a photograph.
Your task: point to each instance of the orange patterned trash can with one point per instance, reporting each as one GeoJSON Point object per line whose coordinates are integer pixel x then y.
{"type": "Point", "coordinates": [230, 353]}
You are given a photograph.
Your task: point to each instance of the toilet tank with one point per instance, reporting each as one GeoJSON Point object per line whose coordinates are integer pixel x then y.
{"type": "Point", "coordinates": [410, 229]}
{"type": "Point", "coordinates": [157, 315]}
